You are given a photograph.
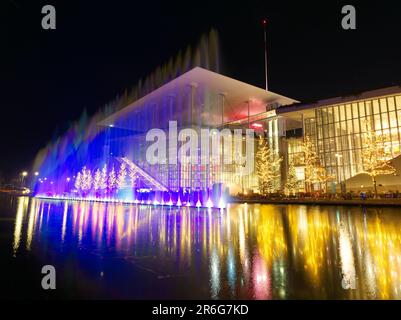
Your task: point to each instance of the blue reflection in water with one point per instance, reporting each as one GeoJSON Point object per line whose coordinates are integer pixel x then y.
{"type": "Point", "coordinates": [257, 252]}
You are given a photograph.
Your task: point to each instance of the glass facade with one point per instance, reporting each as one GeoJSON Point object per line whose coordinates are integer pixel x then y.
{"type": "Point", "coordinates": [338, 131]}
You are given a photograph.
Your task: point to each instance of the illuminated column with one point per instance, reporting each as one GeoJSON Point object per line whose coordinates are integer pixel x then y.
{"type": "Point", "coordinates": [191, 175]}
{"type": "Point", "coordinates": [221, 140]}
{"type": "Point", "coordinates": [249, 112]}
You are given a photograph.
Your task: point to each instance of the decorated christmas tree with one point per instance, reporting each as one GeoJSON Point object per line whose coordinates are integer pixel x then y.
{"type": "Point", "coordinates": [112, 181]}
{"type": "Point", "coordinates": [375, 156]}
{"type": "Point", "coordinates": [78, 181]}
{"type": "Point", "coordinates": [122, 174]}
{"type": "Point", "coordinates": [292, 183]}
{"type": "Point", "coordinates": [315, 173]}
{"type": "Point", "coordinates": [267, 168]}
{"type": "Point", "coordinates": [97, 180]}
{"type": "Point", "coordinates": [86, 180]}
{"type": "Point", "coordinates": [103, 179]}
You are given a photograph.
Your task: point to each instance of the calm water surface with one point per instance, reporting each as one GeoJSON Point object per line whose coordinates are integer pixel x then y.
{"type": "Point", "coordinates": [246, 252]}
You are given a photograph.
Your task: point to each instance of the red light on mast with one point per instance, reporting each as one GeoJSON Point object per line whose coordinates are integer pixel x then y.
{"type": "Point", "coordinates": [264, 21]}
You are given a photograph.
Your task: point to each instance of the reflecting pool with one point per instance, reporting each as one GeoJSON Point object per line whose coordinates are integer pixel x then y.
{"type": "Point", "coordinates": [116, 251]}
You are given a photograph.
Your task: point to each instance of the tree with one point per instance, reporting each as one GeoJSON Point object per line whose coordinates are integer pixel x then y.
{"type": "Point", "coordinates": [292, 183]}
{"type": "Point", "coordinates": [97, 180]}
{"type": "Point", "coordinates": [86, 179]}
{"type": "Point", "coordinates": [78, 181]}
{"type": "Point", "coordinates": [375, 156]}
{"type": "Point", "coordinates": [103, 178]}
{"type": "Point", "coordinates": [121, 176]}
{"type": "Point", "coordinates": [267, 167]}
{"type": "Point", "coordinates": [314, 171]}
{"type": "Point", "coordinates": [112, 181]}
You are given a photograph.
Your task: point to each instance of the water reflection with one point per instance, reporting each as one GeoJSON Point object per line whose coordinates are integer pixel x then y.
{"type": "Point", "coordinates": [255, 252]}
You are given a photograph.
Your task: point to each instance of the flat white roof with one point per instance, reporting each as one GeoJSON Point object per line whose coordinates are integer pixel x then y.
{"type": "Point", "coordinates": [237, 94]}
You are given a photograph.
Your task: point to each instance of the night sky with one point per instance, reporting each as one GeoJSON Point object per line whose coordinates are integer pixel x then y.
{"type": "Point", "coordinates": [48, 77]}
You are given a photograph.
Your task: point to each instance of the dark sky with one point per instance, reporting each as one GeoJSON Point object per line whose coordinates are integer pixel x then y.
{"type": "Point", "coordinates": [47, 78]}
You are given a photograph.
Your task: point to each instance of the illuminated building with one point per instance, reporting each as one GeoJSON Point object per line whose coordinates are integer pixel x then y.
{"type": "Point", "coordinates": [111, 160]}
{"type": "Point", "coordinates": [337, 127]}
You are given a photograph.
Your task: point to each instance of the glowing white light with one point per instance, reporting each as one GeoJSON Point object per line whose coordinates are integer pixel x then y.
{"type": "Point", "coordinates": [222, 205]}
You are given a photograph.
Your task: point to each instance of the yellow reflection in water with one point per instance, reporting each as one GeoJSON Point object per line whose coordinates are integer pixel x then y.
{"type": "Point", "coordinates": [21, 211]}
{"type": "Point", "coordinates": [247, 251]}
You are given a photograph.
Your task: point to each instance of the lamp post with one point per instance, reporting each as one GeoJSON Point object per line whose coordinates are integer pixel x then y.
{"type": "Point", "coordinates": [23, 175]}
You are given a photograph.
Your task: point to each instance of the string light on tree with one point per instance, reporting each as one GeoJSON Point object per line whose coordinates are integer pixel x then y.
{"type": "Point", "coordinates": [103, 178]}
{"type": "Point", "coordinates": [78, 181]}
{"type": "Point", "coordinates": [267, 168]}
{"type": "Point", "coordinates": [315, 173]}
{"type": "Point", "coordinates": [375, 156]}
{"type": "Point", "coordinates": [121, 176]}
{"type": "Point", "coordinates": [112, 181]}
{"type": "Point", "coordinates": [292, 183]}
{"type": "Point", "coordinates": [97, 180]}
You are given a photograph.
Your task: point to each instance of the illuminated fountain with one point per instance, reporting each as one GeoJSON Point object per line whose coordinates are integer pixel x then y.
{"type": "Point", "coordinates": [102, 158]}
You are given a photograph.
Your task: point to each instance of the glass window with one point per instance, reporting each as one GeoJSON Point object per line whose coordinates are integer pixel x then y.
{"type": "Point", "coordinates": [363, 125]}
{"type": "Point", "coordinates": [378, 124]}
{"type": "Point", "coordinates": [324, 112]}
{"type": "Point", "coordinates": [336, 115]}
{"type": "Point", "coordinates": [355, 110]}
{"type": "Point", "coordinates": [390, 103]}
{"type": "Point", "coordinates": [337, 128]}
{"type": "Point", "coordinates": [398, 102]}
{"type": "Point", "coordinates": [349, 126]}
{"type": "Point", "coordinates": [394, 135]}
{"type": "Point", "coordinates": [325, 131]}
{"type": "Point", "coordinates": [342, 112]}
{"type": "Point", "coordinates": [384, 121]}
{"type": "Point", "coordinates": [331, 130]}
{"type": "Point", "coordinates": [393, 119]}
{"type": "Point", "coordinates": [356, 125]}
{"type": "Point", "coordinates": [330, 115]}
{"type": "Point", "coordinates": [344, 127]}
{"type": "Point", "coordinates": [320, 133]}
{"type": "Point", "coordinates": [361, 109]}
{"type": "Point", "coordinates": [338, 143]}
{"type": "Point", "coordinates": [368, 108]}
{"type": "Point", "coordinates": [383, 105]}
{"type": "Point", "coordinates": [357, 141]}
{"type": "Point", "coordinates": [300, 173]}
{"type": "Point", "coordinates": [345, 143]}
{"type": "Point", "coordinates": [318, 115]}
{"type": "Point", "coordinates": [376, 108]}
{"type": "Point", "coordinates": [386, 135]}
{"type": "Point", "coordinates": [399, 116]}
{"type": "Point", "coordinates": [349, 111]}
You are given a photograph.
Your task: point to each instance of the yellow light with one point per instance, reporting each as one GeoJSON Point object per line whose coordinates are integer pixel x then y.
{"type": "Point", "coordinates": [24, 174]}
